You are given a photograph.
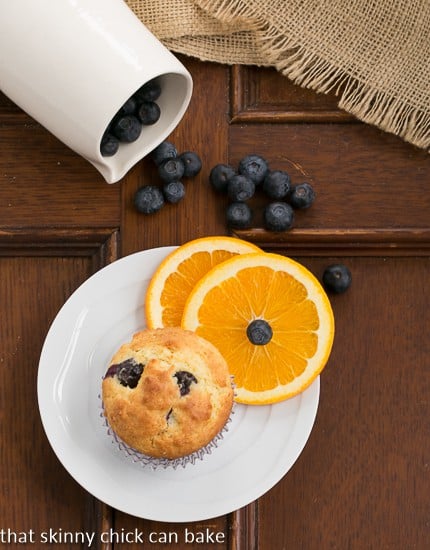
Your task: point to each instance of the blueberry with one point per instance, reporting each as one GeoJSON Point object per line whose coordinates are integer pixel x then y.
{"type": "Point", "coordinates": [112, 370]}
{"type": "Point", "coordinates": [129, 107]}
{"type": "Point", "coordinates": [302, 195]}
{"type": "Point", "coordinates": [127, 128]}
{"type": "Point", "coordinates": [278, 216]}
{"type": "Point", "coordinates": [184, 380]}
{"type": "Point", "coordinates": [254, 167]}
{"type": "Point", "coordinates": [276, 184]}
{"type": "Point", "coordinates": [169, 416]}
{"type": "Point", "coordinates": [166, 150]}
{"type": "Point", "coordinates": [220, 175]}
{"type": "Point", "coordinates": [150, 91]}
{"type": "Point", "coordinates": [171, 170]}
{"type": "Point", "coordinates": [148, 112]}
{"type": "Point", "coordinates": [109, 145]}
{"type": "Point", "coordinates": [239, 215]}
{"type": "Point", "coordinates": [128, 372]}
{"type": "Point", "coordinates": [174, 191]}
{"type": "Point", "coordinates": [259, 332]}
{"type": "Point", "coordinates": [192, 163]}
{"type": "Point", "coordinates": [240, 188]}
{"type": "Point", "coordinates": [337, 278]}
{"type": "Point", "coordinates": [148, 199]}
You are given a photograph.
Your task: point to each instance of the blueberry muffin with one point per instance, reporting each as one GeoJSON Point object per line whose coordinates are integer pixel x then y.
{"type": "Point", "coordinates": [167, 393]}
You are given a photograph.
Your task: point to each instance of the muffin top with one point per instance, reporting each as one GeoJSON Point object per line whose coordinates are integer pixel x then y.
{"type": "Point", "coordinates": [167, 393]}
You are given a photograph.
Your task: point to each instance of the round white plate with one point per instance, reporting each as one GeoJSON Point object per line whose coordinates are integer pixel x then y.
{"type": "Point", "coordinates": [261, 445]}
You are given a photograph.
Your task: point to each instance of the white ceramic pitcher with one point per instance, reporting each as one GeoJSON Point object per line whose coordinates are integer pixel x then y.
{"type": "Point", "coordinates": [71, 64]}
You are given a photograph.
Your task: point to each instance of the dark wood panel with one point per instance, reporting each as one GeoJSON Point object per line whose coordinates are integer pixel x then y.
{"type": "Point", "coordinates": [362, 480]}
{"type": "Point", "coordinates": [264, 95]}
{"type": "Point", "coordinates": [372, 210]}
{"type": "Point", "coordinates": [244, 528]}
{"type": "Point", "coordinates": [363, 178]}
{"type": "Point", "coordinates": [357, 242]}
{"type": "Point", "coordinates": [45, 183]}
{"type": "Point", "coordinates": [99, 244]}
{"type": "Point", "coordinates": [37, 493]}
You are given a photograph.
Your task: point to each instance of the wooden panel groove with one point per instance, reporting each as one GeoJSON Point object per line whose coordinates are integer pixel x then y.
{"type": "Point", "coordinates": [244, 528]}
{"type": "Point", "coordinates": [362, 479]}
{"type": "Point", "coordinates": [248, 106]}
{"type": "Point", "coordinates": [351, 242]}
{"type": "Point", "coordinates": [101, 247]}
{"type": "Point", "coordinates": [102, 244]}
{"type": "Point", "coordinates": [34, 286]}
{"type": "Point", "coordinates": [101, 516]}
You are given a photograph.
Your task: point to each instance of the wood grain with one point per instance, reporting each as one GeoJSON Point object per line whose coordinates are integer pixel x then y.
{"type": "Point", "coordinates": [362, 480]}
{"type": "Point", "coordinates": [38, 494]}
{"type": "Point", "coordinates": [204, 130]}
{"type": "Point", "coordinates": [264, 95]}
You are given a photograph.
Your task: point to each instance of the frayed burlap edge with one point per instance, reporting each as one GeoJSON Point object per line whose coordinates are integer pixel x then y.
{"type": "Point", "coordinates": [266, 46]}
{"type": "Point", "coordinates": [309, 70]}
{"type": "Point", "coordinates": [364, 101]}
{"type": "Point", "coordinates": [218, 50]}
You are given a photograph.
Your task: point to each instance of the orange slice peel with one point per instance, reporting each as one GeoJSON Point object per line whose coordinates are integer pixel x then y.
{"type": "Point", "coordinates": [288, 297]}
{"type": "Point", "coordinates": [178, 273]}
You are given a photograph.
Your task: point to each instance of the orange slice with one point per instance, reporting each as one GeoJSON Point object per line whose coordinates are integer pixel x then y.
{"type": "Point", "coordinates": [178, 273]}
{"type": "Point", "coordinates": [282, 295]}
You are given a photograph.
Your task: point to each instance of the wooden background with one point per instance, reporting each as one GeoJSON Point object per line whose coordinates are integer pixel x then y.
{"type": "Point", "coordinates": [362, 481]}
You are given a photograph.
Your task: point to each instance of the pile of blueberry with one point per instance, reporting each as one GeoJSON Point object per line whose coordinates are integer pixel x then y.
{"type": "Point", "coordinates": [253, 173]}
{"type": "Point", "coordinates": [141, 109]}
{"type": "Point", "coordinates": [240, 185]}
{"type": "Point", "coordinates": [172, 168]}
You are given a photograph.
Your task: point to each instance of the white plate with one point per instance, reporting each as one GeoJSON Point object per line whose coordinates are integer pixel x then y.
{"type": "Point", "coordinates": [261, 445]}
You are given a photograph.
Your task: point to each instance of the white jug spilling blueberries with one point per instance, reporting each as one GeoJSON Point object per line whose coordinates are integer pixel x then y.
{"type": "Point", "coordinates": [93, 75]}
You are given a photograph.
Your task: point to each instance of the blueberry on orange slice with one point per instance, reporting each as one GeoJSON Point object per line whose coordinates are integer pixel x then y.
{"type": "Point", "coordinates": [271, 320]}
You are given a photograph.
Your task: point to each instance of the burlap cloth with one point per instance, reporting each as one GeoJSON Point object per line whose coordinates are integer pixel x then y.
{"type": "Point", "coordinates": [374, 54]}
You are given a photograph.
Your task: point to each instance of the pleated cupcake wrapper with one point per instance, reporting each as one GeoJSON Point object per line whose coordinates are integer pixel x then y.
{"type": "Point", "coordinates": [164, 463]}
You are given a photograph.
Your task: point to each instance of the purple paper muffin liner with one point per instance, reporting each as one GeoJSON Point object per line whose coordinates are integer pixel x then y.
{"type": "Point", "coordinates": [156, 463]}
